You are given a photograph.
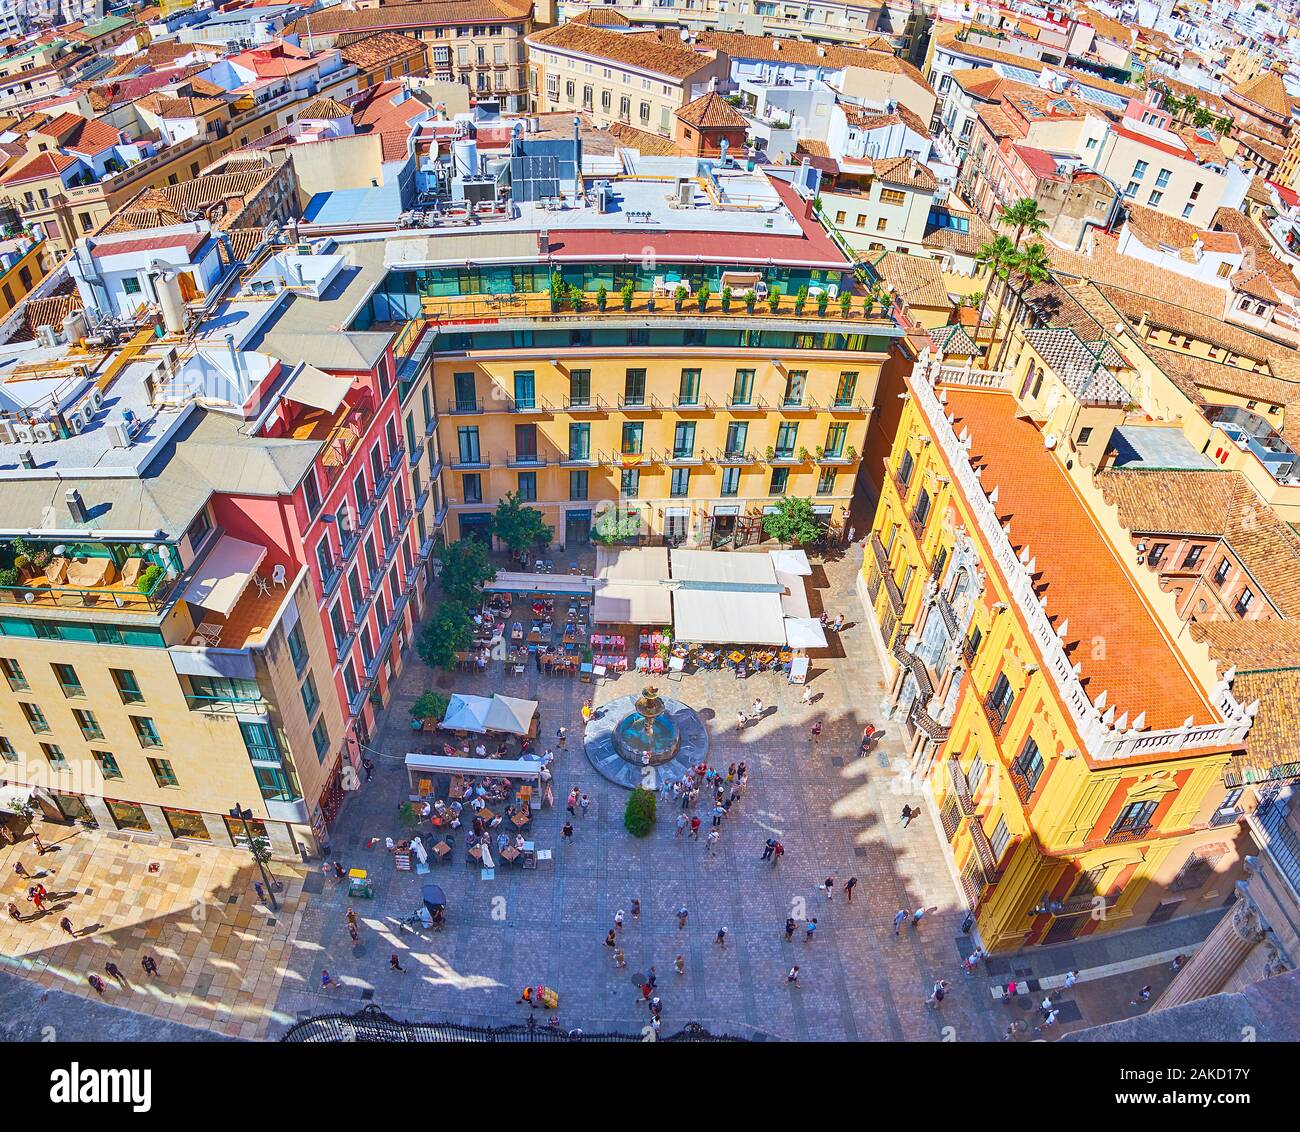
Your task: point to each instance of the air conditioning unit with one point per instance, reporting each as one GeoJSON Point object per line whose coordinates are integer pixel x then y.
{"type": "Point", "coordinates": [24, 432]}
{"type": "Point", "coordinates": [44, 432]}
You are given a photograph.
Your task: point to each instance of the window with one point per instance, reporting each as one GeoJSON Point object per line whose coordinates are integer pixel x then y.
{"type": "Point", "coordinates": [89, 725]}
{"type": "Point", "coordinates": [1154, 199]}
{"type": "Point", "coordinates": [795, 380]}
{"type": "Point", "coordinates": [882, 224]}
{"type": "Point", "coordinates": [1221, 571]}
{"type": "Point", "coordinates": [68, 680]}
{"type": "Point", "coordinates": [630, 482]}
{"type": "Point", "coordinates": [730, 481]}
{"type": "Point", "coordinates": [905, 467]}
{"type": "Point", "coordinates": [128, 689]}
{"type": "Point", "coordinates": [1085, 435]}
{"type": "Point", "coordinates": [108, 767]}
{"type": "Point", "coordinates": [1243, 602]}
{"type": "Point", "coordinates": [130, 286]}
{"type": "Point", "coordinates": [580, 441]}
{"type": "Point", "coordinates": [54, 756]}
{"type": "Point", "coordinates": [836, 435]}
{"type": "Point", "coordinates": [525, 390]}
{"type": "Point", "coordinates": [14, 674]}
{"type": "Point", "coordinates": [1134, 819]}
{"type": "Point", "coordinates": [826, 481]}
{"type": "Point", "coordinates": [1139, 170]}
{"type": "Point", "coordinates": [688, 391]}
{"type": "Point", "coordinates": [128, 815]}
{"type": "Point", "coordinates": [742, 389]}
{"type": "Point", "coordinates": [297, 648]}
{"type": "Point", "coordinates": [467, 442]}
{"type": "Point", "coordinates": [787, 434]}
{"type": "Point", "coordinates": [780, 477]}
{"type": "Point", "coordinates": [1000, 699]}
{"type": "Point", "coordinates": [1130, 190]}
{"type": "Point", "coordinates": [681, 482]}
{"type": "Point", "coordinates": [579, 388]}
{"type": "Point", "coordinates": [839, 217]}
{"type": "Point", "coordinates": [999, 839]}
{"type": "Point", "coordinates": [1193, 557]}
{"type": "Point", "coordinates": [163, 773]}
{"type": "Point", "coordinates": [1196, 870]}
{"type": "Point", "coordinates": [7, 752]}
{"type": "Point", "coordinates": [1162, 178]}
{"type": "Point", "coordinates": [1157, 554]}
{"type": "Point", "coordinates": [1028, 766]}
{"type": "Point", "coordinates": [921, 511]}
{"type": "Point", "coordinates": [633, 435]}
{"type": "Point", "coordinates": [145, 731]}
{"type": "Point", "coordinates": [634, 387]}
{"type": "Point", "coordinates": [845, 389]}
{"type": "Point", "coordinates": [472, 485]}
{"type": "Point", "coordinates": [892, 196]}
{"type": "Point", "coordinates": [320, 738]}
{"type": "Point", "coordinates": [310, 698]}
{"type": "Point", "coordinates": [35, 718]}
{"type": "Point", "coordinates": [861, 221]}
{"type": "Point", "coordinates": [186, 823]}
{"type": "Point", "coordinates": [684, 440]}
{"type": "Point", "coordinates": [528, 487]}
{"type": "Point", "coordinates": [577, 485]}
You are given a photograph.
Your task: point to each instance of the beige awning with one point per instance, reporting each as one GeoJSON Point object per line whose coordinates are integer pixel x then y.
{"type": "Point", "coordinates": [221, 578]}
{"type": "Point", "coordinates": [320, 390]}
{"type": "Point", "coordinates": [630, 587]}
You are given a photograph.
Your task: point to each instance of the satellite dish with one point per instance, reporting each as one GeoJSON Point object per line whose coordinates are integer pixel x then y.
{"type": "Point", "coordinates": [685, 35]}
{"type": "Point", "coordinates": [1049, 441]}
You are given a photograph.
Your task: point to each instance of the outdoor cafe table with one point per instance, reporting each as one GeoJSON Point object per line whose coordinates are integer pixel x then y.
{"type": "Point", "coordinates": [735, 657]}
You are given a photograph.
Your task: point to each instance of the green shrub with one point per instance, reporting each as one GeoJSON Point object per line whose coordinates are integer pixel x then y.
{"type": "Point", "coordinates": [639, 817]}
{"type": "Point", "coordinates": [431, 705]}
{"type": "Point", "coordinates": [9, 577]}
{"type": "Point", "coordinates": [146, 582]}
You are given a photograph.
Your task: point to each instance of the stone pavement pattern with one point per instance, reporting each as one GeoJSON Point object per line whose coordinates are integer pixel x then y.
{"type": "Point", "coordinates": [220, 951]}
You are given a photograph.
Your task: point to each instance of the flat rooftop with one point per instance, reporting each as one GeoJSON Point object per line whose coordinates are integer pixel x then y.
{"type": "Point", "coordinates": [1114, 636]}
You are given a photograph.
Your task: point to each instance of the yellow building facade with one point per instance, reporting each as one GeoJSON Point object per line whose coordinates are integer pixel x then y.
{"type": "Point", "coordinates": [1069, 750]}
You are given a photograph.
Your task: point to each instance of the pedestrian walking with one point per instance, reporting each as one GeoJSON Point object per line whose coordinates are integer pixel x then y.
{"type": "Point", "coordinates": [326, 979]}
{"type": "Point", "coordinates": [21, 870]}
{"type": "Point", "coordinates": [584, 804]}
{"type": "Point", "coordinates": [709, 842]}
{"type": "Point", "coordinates": [259, 889]}
{"type": "Point", "coordinates": [1144, 995]}
{"type": "Point", "coordinates": [849, 886]}
{"type": "Point", "coordinates": [636, 908]}
{"type": "Point", "coordinates": [718, 813]}
{"type": "Point", "coordinates": [66, 925]}
{"type": "Point", "coordinates": [695, 828]}
{"type": "Point", "coordinates": [899, 917]}
{"type": "Point", "coordinates": [646, 991]}
{"type": "Point", "coordinates": [777, 853]}
{"type": "Point", "coordinates": [611, 938]}
{"type": "Point", "coordinates": [572, 803]}
{"type": "Point", "coordinates": [37, 897]}
{"type": "Point", "coordinates": [562, 738]}
{"type": "Point", "coordinates": [839, 622]}
{"type": "Point", "coordinates": [740, 720]}
{"type": "Point", "coordinates": [682, 822]}
{"type": "Point", "coordinates": [808, 694]}
{"type": "Point", "coordinates": [1071, 977]}
{"type": "Point", "coordinates": [1049, 1020]}
{"type": "Point", "coordinates": [972, 961]}
{"type": "Point", "coordinates": [756, 710]}
{"type": "Point", "coordinates": [935, 1001]}
{"type": "Point", "coordinates": [618, 920]}
{"type": "Point", "coordinates": [620, 960]}
{"type": "Point", "coordinates": [742, 775]}
{"type": "Point", "coordinates": [721, 938]}
{"type": "Point", "coordinates": [810, 930]}
{"type": "Point", "coordinates": [916, 916]}
{"type": "Point", "coordinates": [395, 964]}
{"type": "Point", "coordinates": [852, 533]}
{"type": "Point", "coordinates": [567, 831]}
{"type": "Point", "coordinates": [368, 767]}
{"type": "Point", "coordinates": [817, 731]}
{"type": "Point", "coordinates": [586, 712]}
{"type": "Point", "coordinates": [115, 972]}
{"type": "Point", "coordinates": [828, 886]}
{"type": "Point", "coordinates": [681, 918]}
{"type": "Point", "coordinates": [15, 913]}
{"type": "Point", "coordinates": [352, 931]}
{"type": "Point", "coordinates": [908, 815]}
{"type": "Point", "coordinates": [789, 928]}
{"type": "Point", "coordinates": [792, 976]}
{"type": "Point", "coordinates": [679, 964]}
{"type": "Point", "coordinates": [150, 965]}
{"type": "Point", "coordinates": [97, 985]}
{"type": "Point", "coordinates": [351, 917]}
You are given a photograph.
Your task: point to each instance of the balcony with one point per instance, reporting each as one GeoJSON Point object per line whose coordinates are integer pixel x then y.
{"type": "Point", "coordinates": [227, 705]}
{"type": "Point", "coordinates": [694, 405]}
{"type": "Point", "coordinates": [1024, 787]}
{"type": "Point", "coordinates": [417, 450]}
{"type": "Point", "coordinates": [891, 586]}
{"type": "Point", "coordinates": [802, 405]}
{"type": "Point", "coordinates": [996, 713]}
{"type": "Point", "coordinates": [749, 405]}
{"type": "Point", "coordinates": [464, 407]}
{"type": "Point", "coordinates": [786, 457]}
{"type": "Point", "coordinates": [849, 406]}
{"type": "Point", "coordinates": [472, 460]}
{"type": "Point", "coordinates": [838, 458]}
{"type": "Point", "coordinates": [586, 460]}
{"type": "Point", "coordinates": [984, 853]}
{"type": "Point", "coordinates": [586, 405]}
{"type": "Point", "coordinates": [535, 405]}
{"type": "Point", "coordinates": [526, 460]}
{"type": "Point", "coordinates": [733, 456]}
{"type": "Point", "coordinates": [681, 459]}
{"type": "Point", "coordinates": [960, 787]}
{"type": "Point", "coordinates": [52, 586]}
{"type": "Point", "coordinates": [1127, 834]}
{"type": "Point", "coordinates": [641, 404]}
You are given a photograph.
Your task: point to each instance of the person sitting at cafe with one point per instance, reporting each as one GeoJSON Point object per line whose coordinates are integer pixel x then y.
{"type": "Point", "coordinates": [519, 842]}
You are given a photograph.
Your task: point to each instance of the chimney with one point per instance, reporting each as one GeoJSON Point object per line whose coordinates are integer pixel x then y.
{"type": "Point", "coordinates": [26, 459]}
{"type": "Point", "coordinates": [76, 506]}
{"type": "Point", "coordinates": [776, 45]}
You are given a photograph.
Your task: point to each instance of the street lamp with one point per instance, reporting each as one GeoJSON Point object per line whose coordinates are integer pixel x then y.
{"type": "Point", "coordinates": [254, 847]}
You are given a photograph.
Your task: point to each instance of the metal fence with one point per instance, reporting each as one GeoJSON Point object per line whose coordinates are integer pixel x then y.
{"type": "Point", "coordinates": [372, 1025]}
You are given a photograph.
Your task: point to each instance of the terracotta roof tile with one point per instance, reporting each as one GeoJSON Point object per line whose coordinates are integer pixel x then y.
{"type": "Point", "coordinates": [1139, 668]}
{"type": "Point", "coordinates": [427, 13]}
{"type": "Point", "coordinates": [775, 49]}
{"type": "Point", "coordinates": [906, 171]}
{"type": "Point", "coordinates": [648, 144]}
{"type": "Point", "coordinates": [711, 111]}
{"type": "Point", "coordinates": [1268, 91]}
{"type": "Point", "coordinates": [46, 164]}
{"type": "Point", "coordinates": [917, 280]}
{"type": "Point", "coordinates": [606, 18]}
{"type": "Point", "coordinates": [324, 108]}
{"type": "Point", "coordinates": [1231, 220]}
{"type": "Point", "coordinates": [373, 49]}
{"type": "Point", "coordinates": [634, 50]}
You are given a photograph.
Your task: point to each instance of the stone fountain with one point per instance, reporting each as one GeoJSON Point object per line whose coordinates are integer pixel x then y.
{"type": "Point", "coordinates": [635, 741]}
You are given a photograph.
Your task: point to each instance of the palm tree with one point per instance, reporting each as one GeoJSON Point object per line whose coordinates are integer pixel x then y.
{"type": "Point", "coordinates": [1029, 268]}
{"type": "Point", "coordinates": [1024, 216]}
{"type": "Point", "coordinates": [997, 255]}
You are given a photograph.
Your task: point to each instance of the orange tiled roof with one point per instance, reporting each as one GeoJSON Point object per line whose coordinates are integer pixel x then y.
{"type": "Point", "coordinates": [634, 50]}
{"type": "Point", "coordinates": [46, 164]}
{"type": "Point", "coordinates": [1231, 220]}
{"type": "Point", "coordinates": [1267, 90]}
{"type": "Point", "coordinates": [906, 171]}
{"type": "Point", "coordinates": [371, 49]}
{"type": "Point", "coordinates": [648, 144]}
{"type": "Point", "coordinates": [775, 49]}
{"type": "Point", "coordinates": [711, 112]}
{"type": "Point", "coordinates": [1139, 668]}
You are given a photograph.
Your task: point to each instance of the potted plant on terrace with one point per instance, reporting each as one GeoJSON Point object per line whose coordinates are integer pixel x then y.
{"type": "Point", "coordinates": [800, 299]}
{"type": "Point", "coordinates": [751, 301]}
{"type": "Point", "coordinates": [702, 297]}
{"type": "Point", "coordinates": [726, 299]}
{"type": "Point", "coordinates": [627, 293]}
{"type": "Point", "coordinates": [558, 290]}
{"type": "Point", "coordinates": [822, 300]}
{"type": "Point", "coordinates": [679, 297]}
{"type": "Point", "coordinates": [846, 302]}
{"type": "Point", "coordinates": [774, 299]}
{"type": "Point", "coordinates": [602, 297]}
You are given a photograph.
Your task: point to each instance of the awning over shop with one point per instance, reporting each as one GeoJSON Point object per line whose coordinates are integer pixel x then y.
{"type": "Point", "coordinates": [221, 578]}
{"type": "Point", "coordinates": [320, 390]}
{"type": "Point", "coordinates": [804, 633]}
{"type": "Point", "coordinates": [630, 586]}
{"type": "Point", "coordinates": [557, 585]}
{"type": "Point", "coordinates": [790, 562]}
{"type": "Point", "coordinates": [13, 795]}
{"type": "Point", "coordinates": [728, 598]}
{"type": "Point", "coordinates": [496, 768]}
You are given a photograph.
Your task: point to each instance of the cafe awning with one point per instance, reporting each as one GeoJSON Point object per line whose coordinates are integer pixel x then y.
{"type": "Point", "coordinates": [729, 598]}
{"type": "Point", "coordinates": [630, 586]}
{"type": "Point", "coordinates": [467, 713]}
{"type": "Point", "coordinates": [320, 390]}
{"type": "Point", "coordinates": [557, 585]}
{"type": "Point", "coordinates": [790, 562]}
{"type": "Point", "coordinates": [453, 764]}
{"type": "Point", "coordinates": [506, 713]}
{"type": "Point", "coordinates": [804, 633]}
{"type": "Point", "coordinates": [222, 577]}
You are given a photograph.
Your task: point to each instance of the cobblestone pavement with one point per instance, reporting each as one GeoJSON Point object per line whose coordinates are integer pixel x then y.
{"type": "Point", "coordinates": [837, 815]}
{"type": "Point", "coordinates": [220, 951]}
